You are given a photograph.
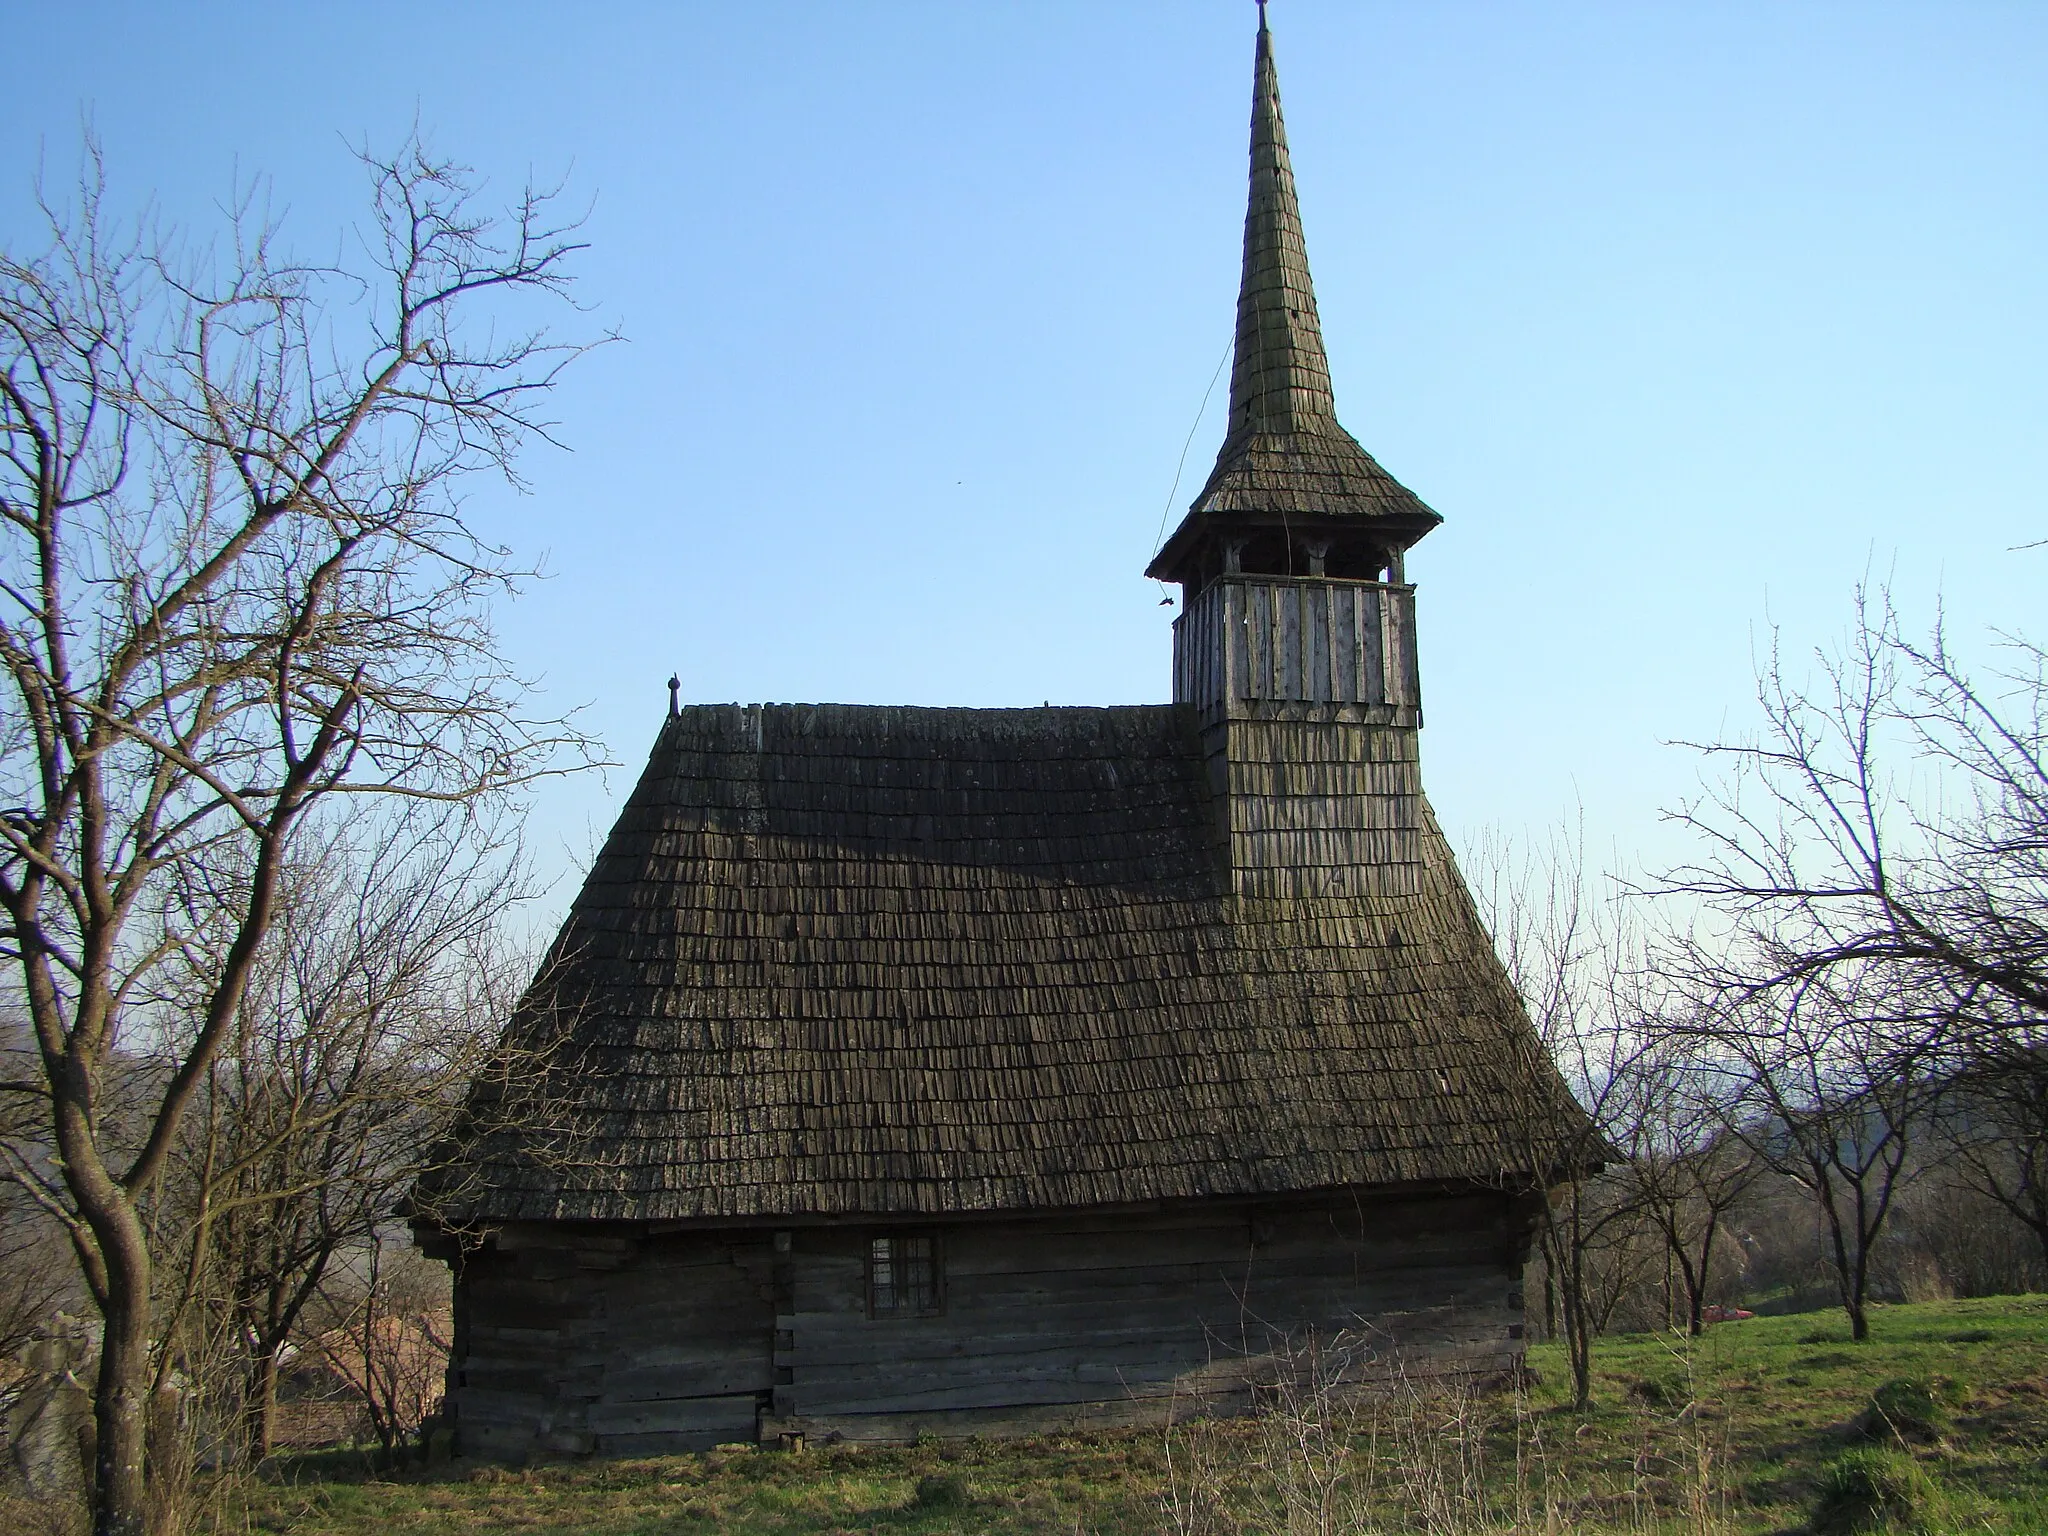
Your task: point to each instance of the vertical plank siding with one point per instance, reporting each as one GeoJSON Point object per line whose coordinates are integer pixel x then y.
{"type": "Point", "coordinates": [1246, 642]}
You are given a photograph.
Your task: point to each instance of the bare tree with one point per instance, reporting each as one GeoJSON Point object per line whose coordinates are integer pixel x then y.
{"type": "Point", "coordinates": [1688, 1171]}
{"type": "Point", "coordinates": [389, 1336]}
{"type": "Point", "coordinates": [237, 588]}
{"type": "Point", "coordinates": [1993, 1126]}
{"type": "Point", "coordinates": [377, 1000]}
{"type": "Point", "coordinates": [1874, 884]}
{"type": "Point", "coordinates": [37, 1276]}
{"type": "Point", "coordinates": [1567, 954]}
{"type": "Point", "coordinates": [1890, 819]}
{"type": "Point", "coordinates": [1825, 852]}
{"type": "Point", "coordinates": [1827, 1091]}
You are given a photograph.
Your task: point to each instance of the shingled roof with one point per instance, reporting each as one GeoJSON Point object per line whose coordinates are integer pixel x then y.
{"type": "Point", "coordinates": [846, 959]}
{"type": "Point", "coordinates": [1284, 452]}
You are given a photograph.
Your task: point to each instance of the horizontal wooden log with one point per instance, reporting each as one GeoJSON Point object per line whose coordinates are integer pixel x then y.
{"type": "Point", "coordinates": [1135, 1369]}
{"type": "Point", "coordinates": [495, 1441]}
{"type": "Point", "coordinates": [935, 1349]}
{"type": "Point", "coordinates": [534, 1377]}
{"type": "Point", "coordinates": [482, 1405]}
{"type": "Point", "coordinates": [1220, 1389]}
{"type": "Point", "coordinates": [752, 1372]}
{"type": "Point", "coordinates": [729, 1417]}
{"type": "Point", "coordinates": [1166, 1303]}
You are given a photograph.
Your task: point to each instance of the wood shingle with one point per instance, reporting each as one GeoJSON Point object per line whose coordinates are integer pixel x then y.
{"type": "Point", "coordinates": [841, 959]}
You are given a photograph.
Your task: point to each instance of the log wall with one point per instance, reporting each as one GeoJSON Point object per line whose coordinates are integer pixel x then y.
{"type": "Point", "coordinates": [571, 1342]}
{"type": "Point", "coordinates": [665, 1344]}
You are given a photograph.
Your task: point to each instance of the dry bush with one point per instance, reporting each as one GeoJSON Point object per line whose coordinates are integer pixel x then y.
{"type": "Point", "coordinates": [1327, 1454]}
{"type": "Point", "coordinates": [388, 1334]}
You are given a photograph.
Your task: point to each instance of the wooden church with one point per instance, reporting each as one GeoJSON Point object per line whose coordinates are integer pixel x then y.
{"type": "Point", "coordinates": [963, 1071]}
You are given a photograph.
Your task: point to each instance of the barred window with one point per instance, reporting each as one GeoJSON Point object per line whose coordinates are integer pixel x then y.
{"type": "Point", "coordinates": [903, 1276]}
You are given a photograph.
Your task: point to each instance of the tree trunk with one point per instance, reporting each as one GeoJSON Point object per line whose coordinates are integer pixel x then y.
{"type": "Point", "coordinates": [260, 1411]}
{"type": "Point", "coordinates": [1578, 1321]}
{"type": "Point", "coordinates": [1580, 1341]}
{"type": "Point", "coordinates": [116, 1259]}
{"type": "Point", "coordinates": [120, 1495]}
{"type": "Point", "coordinates": [1696, 1281]}
{"type": "Point", "coordinates": [1848, 1272]}
{"type": "Point", "coordinates": [1858, 1299]}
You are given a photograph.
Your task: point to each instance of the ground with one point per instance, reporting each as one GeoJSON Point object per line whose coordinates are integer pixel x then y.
{"type": "Point", "coordinates": [1736, 1433]}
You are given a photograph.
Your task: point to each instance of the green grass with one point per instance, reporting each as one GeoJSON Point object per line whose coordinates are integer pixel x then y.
{"type": "Point", "coordinates": [1784, 1397]}
{"type": "Point", "coordinates": [1775, 1410]}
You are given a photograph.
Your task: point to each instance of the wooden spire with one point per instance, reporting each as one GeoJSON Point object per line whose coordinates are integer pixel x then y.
{"type": "Point", "coordinates": [1284, 455]}
{"type": "Point", "coordinates": [1279, 374]}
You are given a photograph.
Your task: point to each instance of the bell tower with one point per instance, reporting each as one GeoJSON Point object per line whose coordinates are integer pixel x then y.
{"type": "Point", "coordinates": [1295, 643]}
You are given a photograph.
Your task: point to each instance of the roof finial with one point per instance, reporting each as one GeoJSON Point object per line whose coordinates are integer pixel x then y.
{"type": "Point", "coordinates": [675, 696]}
{"type": "Point", "coordinates": [1262, 15]}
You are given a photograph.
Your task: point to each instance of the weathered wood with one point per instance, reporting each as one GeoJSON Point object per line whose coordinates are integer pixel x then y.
{"type": "Point", "coordinates": [719, 1418]}
{"type": "Point", "coordinates": [978, 970]}
{"type": "Point", "coordinates": [1037, 1315]}
{"type": "Point", "coordinates": [1250, 640]}
{"type": "Point", "coordinates": [1089, 1313]}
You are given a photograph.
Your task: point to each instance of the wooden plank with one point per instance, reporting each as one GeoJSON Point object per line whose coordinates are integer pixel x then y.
{"type": "Point", "coordinates": [1236, 661]}
{"type": "Point", "coordinates": [1186, 1340]}
{"type": "Point", "coordinates": [1079, 1382]}
{"type": "Point", "coordinates": [696, 1378]}
{"type": "Point", "coordinates": [1258, 634]}
{"type": "Point", "coordinates": [1316, 623]}
{"type": "Point", "coordinates": [1372, 605]}
{"type": "Point", "coordinates": [731, 1418]}
{"type": "Point", "coordinates": [482, 1405]}
{"type": "Point", "coordinates": [1390, 649]}
{"type": "Point", "coordinates": [1214, 640]}
{"type": "Point", "coordinates": [1291, 643]}
{"type": "Point", "coordinates": [1410, 667]}
{"type": "Point", "coordinates": [1343, 643]}
{"type": "Point", "coordinates": [1329, 1308]}
{"type": "Point", "coordinates": [972, 1252]}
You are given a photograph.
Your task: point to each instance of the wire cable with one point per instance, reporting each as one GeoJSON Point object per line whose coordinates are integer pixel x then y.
{"type": "Point", "coordinates": [1179, 469]}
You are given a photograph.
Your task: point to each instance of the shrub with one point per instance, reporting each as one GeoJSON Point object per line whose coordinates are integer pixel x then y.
{"type": "Point", "coordinates": [1872, 1490]}
{"type": "Point", "coordinates": [1912, 1409]}
{"type": "Point", "coordinates": [941, 1490]}
{"type": "Point", "coordinates": [1657, 1392]}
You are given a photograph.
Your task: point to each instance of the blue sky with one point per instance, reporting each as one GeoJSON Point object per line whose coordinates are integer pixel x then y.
{"type": "Point", "coordinates": [1685, 318]}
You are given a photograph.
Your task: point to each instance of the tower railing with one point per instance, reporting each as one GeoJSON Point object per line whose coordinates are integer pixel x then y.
{"type": "Point", "coordinates": [1255, 645]}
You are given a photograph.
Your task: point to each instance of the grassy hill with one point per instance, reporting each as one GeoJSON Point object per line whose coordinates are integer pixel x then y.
{"type": "Point", "coordinates": [1745, 1431]}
